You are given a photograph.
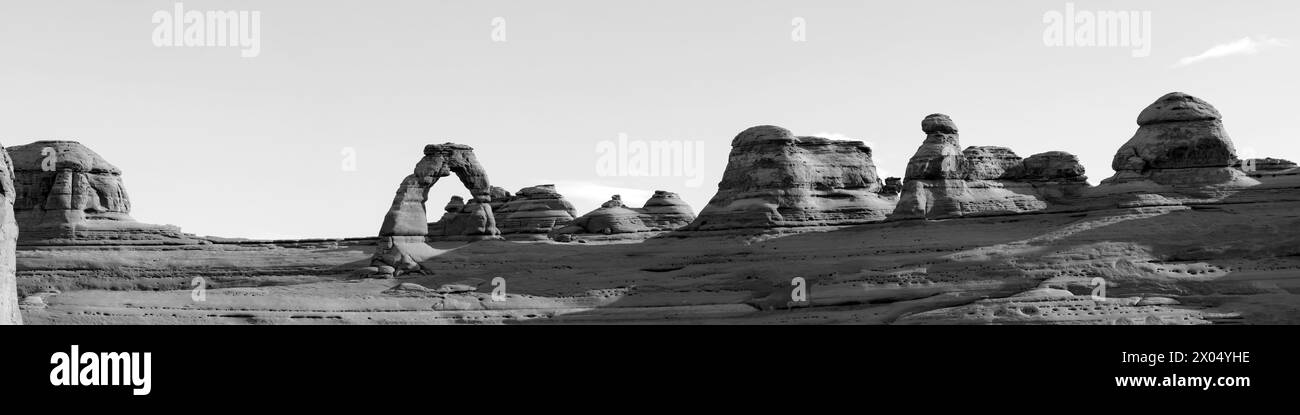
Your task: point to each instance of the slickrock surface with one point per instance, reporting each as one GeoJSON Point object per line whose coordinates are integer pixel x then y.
{"type": "Point", "coordinates": [68, 195]}
{"type": "Point", "coordinates": [775, 179]}
{"type": "Point", "coordinates": [1235, 263]}
{"type": "Point", "coordinates": [9, 313]}
{"type": "Point", "coordinates": [402, 235]}
{"type": "Point", "coordinates": [944, 182]}
{"type": "Point", "coordinates": [537, 209]}
{"type": "Point", "coordinates": [1058, 306]}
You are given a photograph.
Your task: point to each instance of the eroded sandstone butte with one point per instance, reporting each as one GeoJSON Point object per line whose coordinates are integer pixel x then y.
{"type": "Point", "coordinates": [664, 211]}
{"type": "Point", "coordinates": [537, 209]}
{"type": "Point", "coordinates": [1181, 155]}
{"type": "Point", "coordinates": [9, 313]}
{"type": "Point", "coordinates": [776, 179]}
{"type": "Point", "coordinates": [944, 181]}
{"type": "Point", "coordinates": [66, 194]}
{"type": "Point", "coordinates": [1180, 141]}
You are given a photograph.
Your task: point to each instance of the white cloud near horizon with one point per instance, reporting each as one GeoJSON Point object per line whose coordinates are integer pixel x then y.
{"type": "Point", "coordinates": [1243, 46]}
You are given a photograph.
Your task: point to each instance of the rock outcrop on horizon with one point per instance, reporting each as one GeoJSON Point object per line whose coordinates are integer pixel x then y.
{"type": "Point", "coordinates": [538, 209]}
{"type": "Point", "coordinates": [1260, 167]}
{"type": "Point", "coordinates": [1164, 243]}
{"type": "Point", "coordinates": [1180, 141]}
{"type": "Point", "coordinates": [66, 194]}
{"type": "Point", "coordinates": [499, 197]}
{"type": "Point", "coordinates": [460, 220]}
{"type": "Point", "coordinates": [664, 211]}
{"type": "Point", "coordinates": [776, 179]}
{"type": "Point", "coordinates": [611, 217]}
{"type": "Point", "coordinates": [9, 313]}
{"type": "Point", "coordinates": [944, 181]}
{"type": "Point", "coordinates": [402, 244]}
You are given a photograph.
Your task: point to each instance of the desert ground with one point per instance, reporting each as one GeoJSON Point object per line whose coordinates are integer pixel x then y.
{"type": "Point", "coordinates": [1221, 264]}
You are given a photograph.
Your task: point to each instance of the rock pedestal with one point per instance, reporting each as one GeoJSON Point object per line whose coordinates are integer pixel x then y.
{"type": "Point", "coordinates": [944, 182]}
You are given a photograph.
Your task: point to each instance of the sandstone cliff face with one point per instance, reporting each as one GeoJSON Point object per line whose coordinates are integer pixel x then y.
{"type": "Point", "coordinates": [537, 209]}
{"type": "Point", "coordinates": [402, 235]}
{"type": "Point", "coordinates": [775, 179]}
{"type": "Point", "coordinates": [9, 313]}
{"type": "Point", "coordinates": [943, 182]}
{"type": "Point", "coordinates": [66, 194]}
{"type": "Point", "coordinates": [1180, 141]}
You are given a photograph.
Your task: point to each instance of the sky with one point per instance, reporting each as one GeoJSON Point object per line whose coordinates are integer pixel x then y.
{"type": "Point", "coordinates": [310, 136]}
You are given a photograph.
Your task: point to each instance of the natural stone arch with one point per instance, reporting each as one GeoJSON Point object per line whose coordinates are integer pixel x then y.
{"type": "Point", "coordinates": [402, 236]}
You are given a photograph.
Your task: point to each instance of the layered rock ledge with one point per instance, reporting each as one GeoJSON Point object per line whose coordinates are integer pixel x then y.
{"type": "Point", "coordinates": [776, 179]}
{"type": "Point", "coordinates": [66, 194]}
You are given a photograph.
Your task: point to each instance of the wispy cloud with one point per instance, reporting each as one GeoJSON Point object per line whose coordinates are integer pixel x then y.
{"type": "Point", "coordinates": [1244, 46]}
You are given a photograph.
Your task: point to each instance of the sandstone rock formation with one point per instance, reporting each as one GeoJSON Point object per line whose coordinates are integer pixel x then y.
{"type": "Point", "coordinates": [892, 187]}
{"type": "Point", "coordinates": [664, 211]}
{"type": "Point", "coordinates": [775, 179]}
{"type": "Point", "coordinates": [9, 313]}
{"type": "Point", "coordinates": [1265, 165]}
{"type": "Point", "coordinates": [66, 194]}
{"type": "Point", "coordinates": [611, 218]}
{"type": "Point", "coordinates": [537, 209]}
{"type": "Point", "coordinates": [460, 220]}
{"type": "Point", "coordinates": [402, 235]}
{"type": "Point", "coordinates": [943, 181]}
{"type": "Point", "coordinates": [499, 197]}
{"type": "Point", "coordinates": [1180, 141]}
